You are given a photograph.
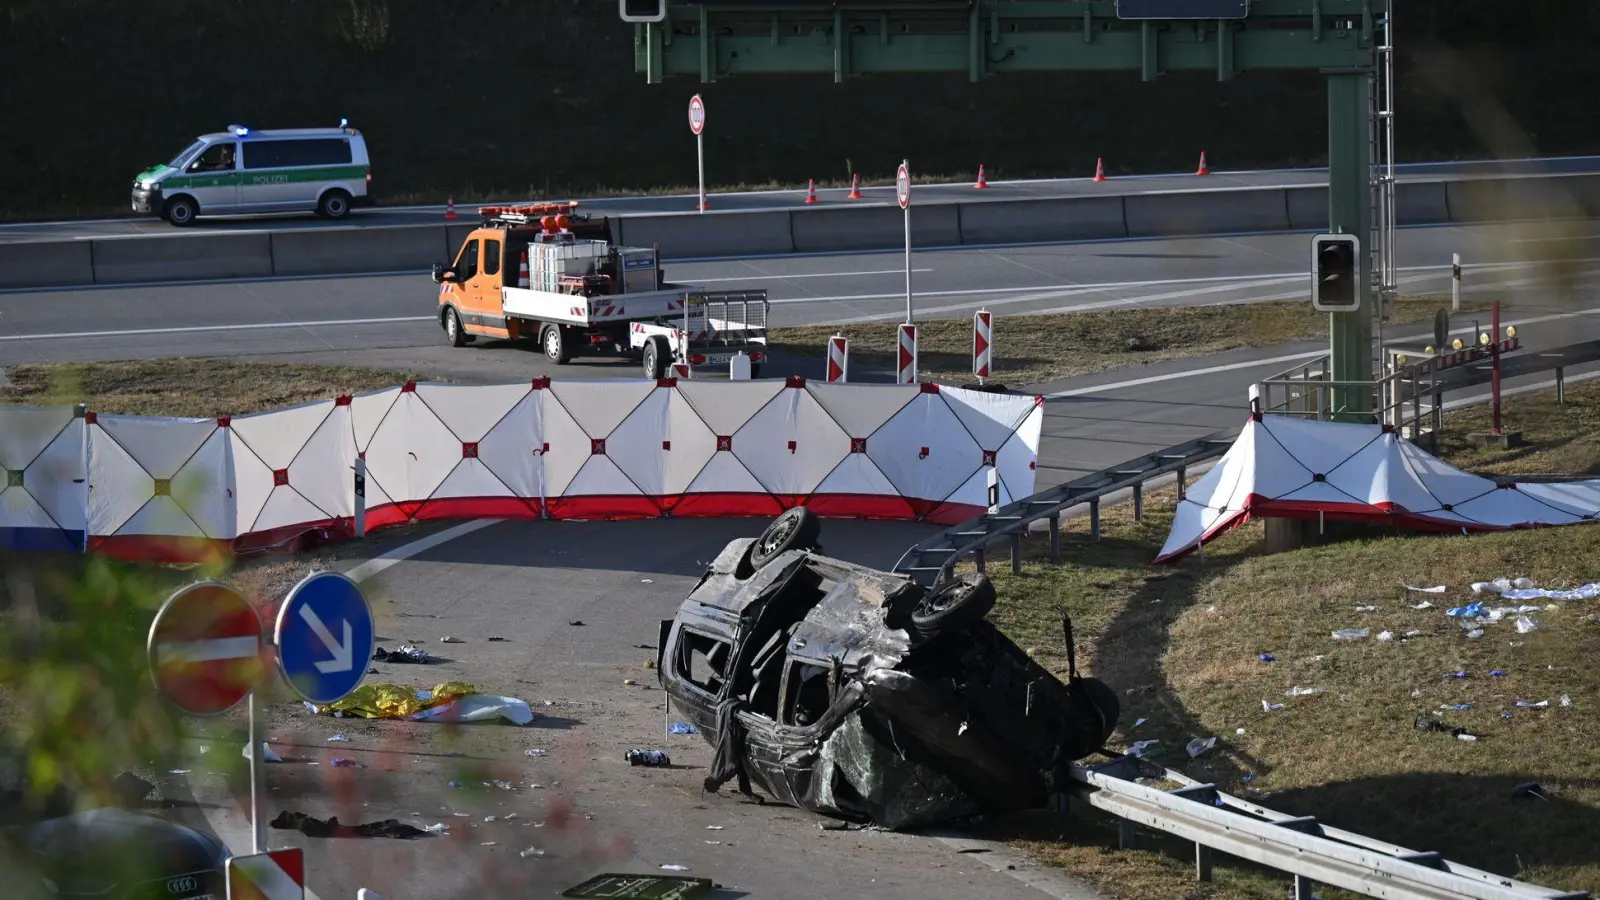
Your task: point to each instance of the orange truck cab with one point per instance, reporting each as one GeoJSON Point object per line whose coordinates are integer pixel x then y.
{"type": "Point", "coordinates": [544, 273]}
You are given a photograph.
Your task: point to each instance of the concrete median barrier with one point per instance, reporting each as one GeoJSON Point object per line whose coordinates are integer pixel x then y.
{"type": "Point", "coordinates": [1421, 203]}
{"type": "Point", "coordinates": [1065, 219]}
{"type": "Point", "coordinates": [694, 235]}
{"type": "Point", "coordinates": [1523, 197]}
{"type": "Point", "coordinates": [46, 264]}
{"type": "Point", "coordinates": [187, 258]}
{"type": "Point", "coordinates": [1308, 208]}
{"type": "Point", "coordinates": [1206, 212]}
{"type": "Point", "coordinates": [875, 228]}
{"type": "Point", "coordinates": [343, 251]}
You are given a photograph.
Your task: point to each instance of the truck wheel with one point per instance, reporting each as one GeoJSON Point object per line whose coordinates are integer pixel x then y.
{"type": "Point", "coordinates": [335, 204]}
{"type": "Point", "coordinates": [755, 371]}
{"type": "Point", "coordinates": [797, 529]}
{"type": "Point", "coordinates": [555, 345]}
{"type": "Point", "coordinates": [656, 355]}
{"type": "Point", "coordinates": [180, 211]}
{"type": "Point", "coordinates": [452, 328]}
{"type": "Point", "coordinates": [953, 606]}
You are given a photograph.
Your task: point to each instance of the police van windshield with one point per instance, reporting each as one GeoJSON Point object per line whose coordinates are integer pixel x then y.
{"type": "Point", "coordinates": [182, 159]}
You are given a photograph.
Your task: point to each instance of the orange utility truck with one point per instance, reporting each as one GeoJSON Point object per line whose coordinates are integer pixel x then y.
{"type": "Point", "coordinates": [543, 272]}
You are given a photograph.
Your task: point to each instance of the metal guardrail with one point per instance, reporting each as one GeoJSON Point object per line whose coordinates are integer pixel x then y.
{"type": "Point", "coordinates": [930, 561]}
{"type": "Point", "coordinates": [1299, 845]}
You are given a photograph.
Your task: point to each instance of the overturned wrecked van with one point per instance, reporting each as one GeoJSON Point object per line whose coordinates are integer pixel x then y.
{"type": "Point", "coordinates": [858, 693]}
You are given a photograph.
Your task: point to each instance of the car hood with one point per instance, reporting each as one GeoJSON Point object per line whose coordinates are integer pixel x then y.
{"type": "Point", "coordinates": [122, 846]}
{"type": "Point", "coordinates": [154, 173]}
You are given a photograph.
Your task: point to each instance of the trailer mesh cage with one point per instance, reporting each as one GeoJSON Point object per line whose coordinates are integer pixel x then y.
{"type": "Point", "coordinates": [713, 319]}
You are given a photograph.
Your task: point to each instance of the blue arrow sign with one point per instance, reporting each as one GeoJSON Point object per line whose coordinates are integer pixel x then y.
{"type": "Point", "coordinates": [325, 637]}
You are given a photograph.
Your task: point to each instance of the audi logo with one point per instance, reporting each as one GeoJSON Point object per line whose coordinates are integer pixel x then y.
{"type": "Point", "coordinates": [183, 885]}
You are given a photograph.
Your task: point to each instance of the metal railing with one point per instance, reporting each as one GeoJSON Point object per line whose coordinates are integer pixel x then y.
{"type": "Point", "coordinates": [930, 561]}
{"type": "Point", "coordinates": [1298, 845]}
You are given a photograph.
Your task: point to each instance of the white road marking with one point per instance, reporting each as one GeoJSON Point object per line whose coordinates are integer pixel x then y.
{"type": "Point", "coordinates": [212, 650]}
{"type": "Point", "coordinates": [805, 275]}
{"type": "Point", "coordinates": [193, 328]}
{"type": "Point", "coordinates": [1292, 357]}
{"type": "Point", "coordinates": [405, 551]}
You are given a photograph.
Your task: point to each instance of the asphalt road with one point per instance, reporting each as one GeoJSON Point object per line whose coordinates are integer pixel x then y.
{"type": "Point", "coordinates": [346, 319]}
{"type": "Point", "coordinates": [770, 200]}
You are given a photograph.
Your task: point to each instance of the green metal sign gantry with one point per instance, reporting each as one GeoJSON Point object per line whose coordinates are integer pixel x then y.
{"type": "Point", "coordinates": [1338, 38]}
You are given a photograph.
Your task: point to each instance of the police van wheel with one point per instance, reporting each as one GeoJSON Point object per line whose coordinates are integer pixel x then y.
{"type": "Point", "coordinates": [180, 211]}
{"type": "Point", "coordinates": [453, 329]}
{"type": "Point", "coordinates": [334, 204]}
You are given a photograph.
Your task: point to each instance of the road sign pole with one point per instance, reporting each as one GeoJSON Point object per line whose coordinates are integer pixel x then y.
{"type": "Point", "coordinates": [255, 777]}
{"type": "Point", "coordinates": [1349, 212]}
{"type": "Point", "coordinates": [361, 497]}
{"type": "Point", "coordinates": [700, 152]}
{"type": "Point", "coordinates": [903, 188]}
{"type": "Point", "coordinates": [697, 127]}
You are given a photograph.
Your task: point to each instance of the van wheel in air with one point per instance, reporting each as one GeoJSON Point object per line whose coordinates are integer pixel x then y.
{"type": "Point", "coordinates": [953, 606]}
{"type": "Point", "coordinates": [797, 529]}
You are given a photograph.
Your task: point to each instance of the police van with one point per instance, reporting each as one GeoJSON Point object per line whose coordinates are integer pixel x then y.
{"type": "Point", "coordinates": [240, 171]}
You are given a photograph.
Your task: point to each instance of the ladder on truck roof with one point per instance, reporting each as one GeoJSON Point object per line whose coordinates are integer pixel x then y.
{"type": "Point", "coordinates": [527, 214]}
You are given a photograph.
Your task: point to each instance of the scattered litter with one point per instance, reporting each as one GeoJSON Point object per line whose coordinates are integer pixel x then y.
{"type": "Point", "coordinates": [489, 818]}
{"type": "Point", "coordinates": [1247, 777]}
{"type": "Point", "coordinates": [1302, 691]}
{"type": "Point", "coordinates": [1269, 707]}
{"type": "Point", "coordinates": [346, 763]}
{"type": "Point", "coordinates": [1350, 634]}
{"type": "Point", "coordinates": [337, 737]}
{"type": "Point", "coordinates": [1497, 586]}
{"type": "Point", "coordinates": [531, 851]}
{"type": "Point", "coordinates": [406, 653]}
{"type": "Point", "coordinates": [1463, 736]}
{"type": "Point", "coordinates": [1146, 749]}
{"type": "Point", "coordinates": [1436, 589]}
{"type": "Point", "coordinates": [714, 843]}
{"type": "Point", "coordinates": [1267, 657]}
{"type": "Point", "coordinates": [487, 844]}
{"type": "Point", "coordinates": [1138, 722]}
{"type": "Point", "coordinates": [1366, 609]}
{"type": "Point", "coordinates": [447, 639]}
{"type": "Point", "coordinates": [1531, 705]}
{"type": "Point", "coordinates": [456, 785]}
{"type": "Point", "coordinates": [1239, 731]}
{"type": "Point", "coordinates": [314, 827]}
{"type": "Point", "coordinates": [436, 828]}
{"type": "Point", "coordinates": [671, 867]}
{"type": "Point", "coordinates": [535, 751]}
{"type": "Point", "coordinates": [267, 753]}
{"type": "Point", "coordinates": [1525, 625]}
{"type": "Point", "coordinates": [1200, 746]}
{"type": "Point", "coordinates": [1428, 723]}
{"type": "Point", "coordinates": [1529, 789]}
{"type": "Point", "coordinates": [1566, 700]}
{"type": "Point", "coordinates": [1423, 605]}
{"type": "Point", "coordinates": [1413, 633]}
{"type": "Point", "coordinates": [642, 757]}
{"type": "Point", "coordinates": [629, 681]}
{"type": "Point", "coordinates": [1458, 675]}
{"type": "Point", "coordinates": [1516, 643]}
{"type": "Point", "coordinates": [576, 622]}
{"type": "Point", "coordinates": [1458, 707]}
{"type": "Point", "coordinates": [646, 581]}
{"type": "Point", "coordinates": [1385, 635]}
{"type": "Point", "coordinates": [1475, 633]}
{"type": "Point", "coordinates": [204, 749]}
{"type": "Point", "coordinates": [493, 639]}
{"type": "Point", "coordinates": [713, 827]}
{"type": "Point", "coordinates": [1497, 673]}
{"type": "Point", "coordinates": [184, 771]}
{"type": "Point", "coordinates": [681, 728]}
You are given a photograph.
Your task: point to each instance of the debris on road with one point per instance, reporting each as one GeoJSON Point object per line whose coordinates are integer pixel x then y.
{"type": "Point", "coordinates": [681, 728]}
{"type": "Point", "coordinates": [641, 757]}
{"type": "Point", "coordinates": [310, 826]}
{"type": "Point", "coordinates": [777, 636]}
{"type": "Point", "coordinates": [531, 851]}
{"type": "Point", "coordinates": [451, 701]}
{"type": "Point", "coordinates": [406, 653]}
{"type": "Point", "coordinates": [447, 639]}
{"type": "Point", "coordinates": [1351, 634]}
{"type": "Point", "coordinates": [535, 751]}
{"type": "Point", "coordinates": [267, 753]}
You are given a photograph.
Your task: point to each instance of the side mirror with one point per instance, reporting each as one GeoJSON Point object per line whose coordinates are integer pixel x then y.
{"type": "Point", "coordinates": [438, 273]}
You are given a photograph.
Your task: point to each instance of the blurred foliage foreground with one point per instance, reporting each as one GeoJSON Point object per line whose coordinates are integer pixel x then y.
{"type": "Point", "coordinates": [77, 703]}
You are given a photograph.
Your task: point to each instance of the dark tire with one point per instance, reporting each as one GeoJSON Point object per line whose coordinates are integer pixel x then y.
{"type": "Point", "coordinates": [555, 345]}
{"type": "Point", "coordinates": [656, 356]}
{"type": "Point", "coordinates": [755, 371]}
{"type": "Point", "coordinates": [953, 606]}
{"type": "Point", "coordinates": [334, 204]}
{"type": "Point", "coordinates": [453, 331]}
{"type": "Point", "coordinates": [180, 211]}
{"type": "Point", "coordinates": [797, 529]}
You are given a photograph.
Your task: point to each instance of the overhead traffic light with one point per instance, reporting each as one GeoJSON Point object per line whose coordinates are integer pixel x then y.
{"type": "Point", "coordinates": [1336, 272]}
{"type": "Point", "coordinates": [643, 10]}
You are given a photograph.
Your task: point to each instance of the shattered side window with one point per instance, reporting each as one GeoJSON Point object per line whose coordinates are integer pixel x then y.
{"type": "Point", "coordinates": [702, 661]}
{"type": "Point", "coordinates": [806, 696]}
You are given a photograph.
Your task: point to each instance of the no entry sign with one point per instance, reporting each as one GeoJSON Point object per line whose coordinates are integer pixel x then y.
{"type": "Point", "coordinates": [206, 649]}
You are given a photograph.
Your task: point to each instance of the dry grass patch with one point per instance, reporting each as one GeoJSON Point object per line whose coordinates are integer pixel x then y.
{"type": "Point", "coordinates": [1182, 646]}
{"type": "Point", "coordinates": [1036, 349]}
{"type": "Point", "coordinates": [1561, 439]}
{"type": "Point", "coordinates": [188, 387]}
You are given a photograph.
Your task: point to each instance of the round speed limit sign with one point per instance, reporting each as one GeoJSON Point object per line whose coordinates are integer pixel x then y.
{"type": "Point", "coordinates": [697, 114]}
{"type": "Point", "coordinates": [902, 186]}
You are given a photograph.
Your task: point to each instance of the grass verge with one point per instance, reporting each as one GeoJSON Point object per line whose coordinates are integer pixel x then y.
{"type": "Point", "coordinates": [1037, 349]}
{"type": "Point", "coordinates": [1182, 644]}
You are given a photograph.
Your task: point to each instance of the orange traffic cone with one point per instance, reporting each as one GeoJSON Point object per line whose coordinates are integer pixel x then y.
{"type": "Point", "coordinates": [450, 207]}
{"type": "Point", "coordinates": [522, 272]}
{"type": "Point", "coordinates": [1203, 170]}
{"type": "Point", "coordinates": [983, 183]}
{"type": "Point", "coordinates": [811, 190]}
{"type": "Point", "coordinates": [855, 186]}
{"type": "Point", "coordinates": [1099, 169]}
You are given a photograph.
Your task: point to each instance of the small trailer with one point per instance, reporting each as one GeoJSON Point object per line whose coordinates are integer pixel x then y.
{"type": "Point", "coordinates": [539, 273]}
